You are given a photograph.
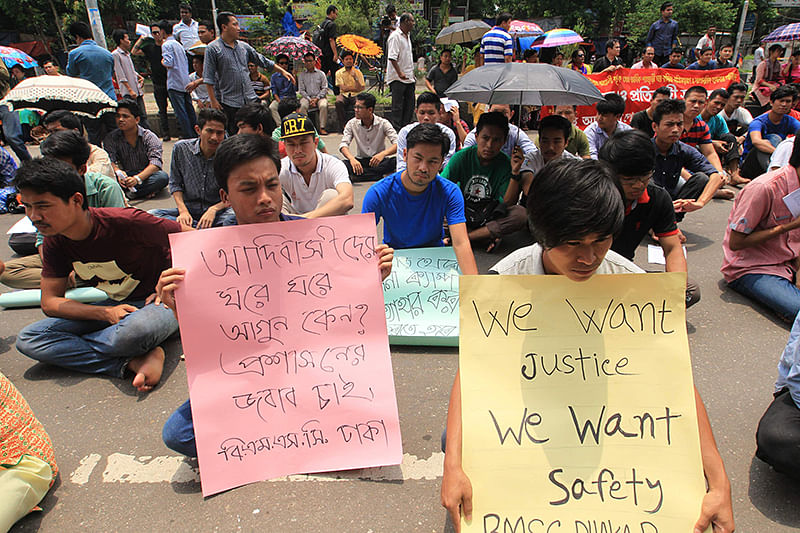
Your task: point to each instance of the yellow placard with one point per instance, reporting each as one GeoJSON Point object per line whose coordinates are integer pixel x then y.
{"type": "Point", "coordinates": [578, 407]}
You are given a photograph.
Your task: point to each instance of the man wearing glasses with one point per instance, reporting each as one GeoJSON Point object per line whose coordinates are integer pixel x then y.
{"type": "Point", "coordinates": [313, 88]}
{"type": "Point", "coordinates": [282, 87]}
{"type": "Point", "coordinates": [648, 207]}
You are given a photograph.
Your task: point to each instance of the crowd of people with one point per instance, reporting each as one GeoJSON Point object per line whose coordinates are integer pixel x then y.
{"type": "Point", "coordinates": [586, 198]}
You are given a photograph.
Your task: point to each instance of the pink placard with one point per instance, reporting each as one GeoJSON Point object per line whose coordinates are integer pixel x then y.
{"type": "Point", "coordinates": [284, 331]}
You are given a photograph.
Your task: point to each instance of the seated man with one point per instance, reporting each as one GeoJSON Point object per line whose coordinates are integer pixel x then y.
{"type": "Point", "coordinates": [483, 172]}
{"type": "Point", "coordinates": [725, 143]}
{"type": "Point", "coordinates": [767, 131]}
{"type": "Point", "coordinates": [8, 167]}
{"type": "Point", "coordinates": [312, 86]}
{"type": "Point", "coordinates": [281, 87]}
{"type": "Point", "coordinates": [246, 169]}
{"type": "Point", "coordinates": [705, 60]}
{"type": "Point", "coordinates": [734, 113]}
{"type": "Point", "coordinates": [191, 182]}
{"type": "Point", "coordinates": [101, 191]}
{"type": "Point", "coordinates": [609, 113]}
{"type": "Point", "coordinates": [315, 184]}
{"type": "Point", "coordinates": [414, 202]}
{"type": "Point", "coordinates": [350, 82]}
{"type": "Point", "coordinates": [373, 160]}
{"type": "Point", "coordinates": [64, 120]}
{"type": "Point", "coordinates": [122, 251]}
{"type": "Point", "coordinates": [675, 59]}
{"type": "Point", "coordinates": [762, 241]}
{"type": "Point", "coordinates": [255, 118]}
{"type": "Point", "coordinates": [648, 207]}
{"type": "Point", "coordinates": [428, 107]}
{"type": "Point", "coordinates": [777, 436]}
{"type": "Point", "coordinates": [136, 154]}
{"type": "Point", "coordinates": [450, 116]}
{"type": "Point", "coordinates": [577, 144]}
{"type": "Point", "coordinates": [516, 137]}
{"type": "Point", "coordinates": [673, 156]}
{"type": "Point", "coordinates": [643, 120]}
{"type": "Point", "coordinates": [574, 241]}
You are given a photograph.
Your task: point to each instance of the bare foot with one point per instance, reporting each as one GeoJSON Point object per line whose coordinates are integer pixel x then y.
{"type": "Point", "coordinates": [148, 368]}
{"type": "Point", "coordinates": [737, 179]}
{"type": "Point", "coordinates": [724, 194]}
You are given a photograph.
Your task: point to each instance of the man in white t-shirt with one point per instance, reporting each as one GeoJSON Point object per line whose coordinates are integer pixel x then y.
{"type": "Point", "coordinates": [734, 113]}
{"type": "Point", "coordinates": [780, 157]}
{"type": "Point", "coordinates": [400, 72]}
{"type": "Point", "coordinates": [314, 184]}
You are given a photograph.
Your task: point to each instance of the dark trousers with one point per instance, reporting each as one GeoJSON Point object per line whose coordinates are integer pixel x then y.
{"type": "Point", "coordinates": [386, 167]}
{"type": "Point", "coordinates": [691, 190]}
{"type": "Point", "coordinates": [98, 128]}
{"type": "Point", "coordinates": [756, 162]}
{"type": "Point", "coordinates": [778, 435]}
{"type": "Point", "coordinates": [143, 120]}
{"type": "Point", "coordinates": [402, 103]}
{"type": "Point", "coordinates": [660, 60]}
{"type": "Point", "coordinates": [344, 109]}
{"type": "Point", "coordinates": [160, 94]}
{"type": "Point", "coordinates": [732, 154]}
{"type": "Point", "coordinates": [151, 185]}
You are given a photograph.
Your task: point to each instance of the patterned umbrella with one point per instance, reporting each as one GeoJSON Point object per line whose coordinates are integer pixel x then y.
{"type": "Point", "coordinates": [522, 27]}
{"type": "Point", "coordinates": [294, 47]}
{"type": "Point", "coordinates": [360, 46]}
{"type": "Point", "coordinates": [12, 56]}
{"type": "Point", "coordinates": [789, 32]}
{"type": "Point", "coordinates": [557, 37]}
{"type": "Point", "coordinates": [48, 93]}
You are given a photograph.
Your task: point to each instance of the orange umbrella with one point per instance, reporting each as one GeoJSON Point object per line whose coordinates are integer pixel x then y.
{"type": "Point", "coordinates": [359, 45]}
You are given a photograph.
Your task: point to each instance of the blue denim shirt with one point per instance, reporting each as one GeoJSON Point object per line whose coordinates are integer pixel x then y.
{"type": "Point", "coordinates": [789, 365]}
{"type": "Point", "coordinates": [92, 62]}
{"type": "Point", "coordinates": [667, 173]}
{"type": "Point", "coordinates": [282, 86]}
{"type": "Point", "coordinates": [663, 36]}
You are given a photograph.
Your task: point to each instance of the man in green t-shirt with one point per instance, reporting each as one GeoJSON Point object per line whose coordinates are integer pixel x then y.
{"type": "Point", "coordinates": [483, 173]}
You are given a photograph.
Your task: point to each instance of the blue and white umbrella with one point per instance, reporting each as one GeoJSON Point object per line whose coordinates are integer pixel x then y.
{"type": "Point", "coordinates": [12, 56]}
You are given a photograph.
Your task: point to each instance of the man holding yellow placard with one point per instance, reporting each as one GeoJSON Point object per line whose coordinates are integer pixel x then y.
{"type": "Point", "coordinates": [613, 468]}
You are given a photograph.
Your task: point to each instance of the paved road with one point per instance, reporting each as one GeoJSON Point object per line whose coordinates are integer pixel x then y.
{"type": "Point", "coordinates": [117, 475]}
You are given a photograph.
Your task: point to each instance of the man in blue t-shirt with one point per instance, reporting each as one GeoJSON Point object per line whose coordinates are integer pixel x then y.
{"type": "Point", "coordinates": [414, 201]}
{"type": "Point", "coordinates": [767, 131]}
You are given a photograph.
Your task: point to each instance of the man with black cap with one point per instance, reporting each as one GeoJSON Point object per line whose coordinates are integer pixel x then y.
{"type": "Point", "coordinates": [315, 184]}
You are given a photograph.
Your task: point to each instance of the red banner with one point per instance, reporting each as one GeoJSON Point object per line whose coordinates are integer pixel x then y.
{"type": "Point", "coordinates": [637, 86]}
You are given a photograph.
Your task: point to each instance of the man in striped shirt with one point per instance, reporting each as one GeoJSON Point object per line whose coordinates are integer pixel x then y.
{"type": "Point", "coordinates": [496, 44]}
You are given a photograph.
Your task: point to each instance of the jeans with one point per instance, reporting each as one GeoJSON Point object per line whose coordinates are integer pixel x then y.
{"type": "Point", "coordinates": [178, 432]}
{"type": "Point", "coordinates": [161, 96]}
{"type": "Point", "coordinates": [12, 131]}
{"type": "Point", "coordinates": [778, 435]}
{"type": "Point", "coordinates": [152, 185]}
{"type": "Point", "coordinates": [775, 292]}
{"type": "Point", "coordinates": [95, 346]}
{"type": "Point", "coordinates": [184, 111]}
{"type": "Point", "coordinates": [230, 112]}
{"type": "Point", "coordinates": [402, 103]}
{"type": "Point", "coordinates": [224, 217]}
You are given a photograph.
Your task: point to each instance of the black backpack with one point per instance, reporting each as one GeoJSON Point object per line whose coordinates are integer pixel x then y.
{"type": "Point", "coordinates": [318, 35]}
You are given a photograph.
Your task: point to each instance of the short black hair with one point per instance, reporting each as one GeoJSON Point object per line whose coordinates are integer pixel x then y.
{"type": "Point", "coordinates": [794, 159]}
{"type": "Point", "coordinates": [48, 175]}
{"type": "Point", "coordinates": [719, 92]}
{"type": "Point", "coordinates": [492, 118]}
{"type": "Point", "coordinates": [737, 86]}
{"type": "Point", "coordinates": [165, 26]}
{"type": "Point", "coordinates": [782, 92]}
{"type": "Point", "coordinates": [571, 199]}
{"type": "Point", "coordinates": [287, 106]}
{"type": "Point", "coordinates": [530, 52]}
{"type": "Point", "coordinates": [208, 24]}
{"type": "Point", "coordinates": [706, 49]}
{"type": "Point", "coordinates": [118, 35]}
{"type": "Point", "coordinates": [209, 114]}
{"type": "Point", "coordinates": [67, 144]}
{"type": "Point", "coordinates": [695, 89]}
{"type": "Point", "coordinates": [253, 114]}
{"type": "Point", "coordinates": [556, 122]}
{"type": "Point", "coordinates": [775, 47]}
{"type": "Point", "coordinates": [613, 104]}
{"type": "Point", "coordinates": [224, 18]}
{"type": "Point", "coordinates": [240, 149]}
{"type": "Point", "coordinates": [428, 134]}
{"type": "Point", "coordinates": [129, 104]}
{"type": "Point", "coordinates": [331, 9]}
{"type": "Point", "coordinates": [729, 45]}
{"type": "Point", "coordinates": [185, 7]}
{"type": "Point", "coordinates": [280, 57]}
{"type": "Point", "coordinates": [676, 50]}
{"type": "Point", "coordinates": [629, 153]}
{"type": "Point", "coordinates": [665, 5]}
{"type": "Point", "coordinates": [49, 60]}
{"type": "Point", "coordinates": [368, 99]}
{"type": "Point", "coordinates": [309, 54]}
{"type": "Point", "coordinates": [65, 118]}
{"type": "Point", "coordinates": [391, 9]}
{"type": "Point", "coordinates": [346, 53]}
{"type": "Point", "coordinates": [429, 98]}
{"type": "Point", "coordinates": [663, 90]}
{"type": "Point", "coordinates": [610, 43]}
{"type": "Point", "coordinates": [668, 107]}
{"type": "Point", "coordinates": [503, 17]}
{"type": "Point", "coordinates": [80, 29]}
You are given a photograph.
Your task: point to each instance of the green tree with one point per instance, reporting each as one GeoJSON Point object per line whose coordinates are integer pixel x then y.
{"type": "Point", "coordinates": [693, 16]}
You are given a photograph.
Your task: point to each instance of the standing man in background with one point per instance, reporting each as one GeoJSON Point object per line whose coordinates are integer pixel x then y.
{"type": "Point", "coordinates": [186, 31]}
{"type": "Point", "coordinates": [663, 34]}
{"type": "Point", "coordinates": [173, 56]}
{"type": "Point", "coordinates": [400, 72]}
{"type": "Point", "coordinates": [129, 81]}
{"type": "Point", "coordinates": [12, 129]}
{"type": "Point", "coordinates": [330, 55]}
{"type": "Point", "coordinates": [158, 74]}
{"type": "Point", "coordinates": [496, 44]}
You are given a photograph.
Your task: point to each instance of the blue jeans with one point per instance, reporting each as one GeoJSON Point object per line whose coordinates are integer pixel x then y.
{"type": "Point", "coordinates": [152, 185]}
{"type": "Point", "coordinates": [184, 112]}
{"type": "Point", "coordinates": [775, 292]}
{"type": "Point", "coordinates": [12, 131]}
{"type": "Point", "coordinates": [178, 432]}
{"type": "Point", "coordinates": [223, 218]}
{"type": "Point", "coordinates": [97, 347]}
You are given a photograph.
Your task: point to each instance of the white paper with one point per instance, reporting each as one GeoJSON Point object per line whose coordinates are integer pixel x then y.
{"type": "Point", "coordinates": [23, 225]}
{"type": "Point", "coordinates": [655, 254]}
{"type": "Point", "coordinates": [792, 201]}
{"type": "Point", "coordinates": [141, 29]}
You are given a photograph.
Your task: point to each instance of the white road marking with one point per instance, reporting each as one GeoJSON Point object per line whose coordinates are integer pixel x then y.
{"type": "Point", "coordinates": [122, 468]}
